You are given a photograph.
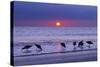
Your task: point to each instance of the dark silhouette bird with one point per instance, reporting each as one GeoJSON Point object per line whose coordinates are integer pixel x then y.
{"type": "Point", "coordinates": [89, 42]}
{"type": "Point", "coordinates": [81, 44]}
{"type": "Point", "coordinates": [26, 47]}
{"type": "Point", "coordinates": [39, 47]}
{"type": "Point", "coordinates": [74, 44]}
{"type": "Point", "coordinates": [63, 45]}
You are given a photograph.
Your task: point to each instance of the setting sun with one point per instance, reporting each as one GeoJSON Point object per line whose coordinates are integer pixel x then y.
{"type": "Point", "coordinates": [58, 24]}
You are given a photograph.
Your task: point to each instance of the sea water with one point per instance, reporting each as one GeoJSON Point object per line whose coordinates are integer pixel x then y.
{"type": "Point", "coordinates": [50, 38]}
{"type": "Point", "coordinates": [54, 31]}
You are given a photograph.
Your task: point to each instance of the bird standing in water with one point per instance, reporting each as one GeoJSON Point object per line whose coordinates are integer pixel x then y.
{"type": "Point", "coordinates": [39, 47]}
{"type": "Point", "coordinates": [27, 47]}
{"type": "Point", "coordinates": [63, 45]}
{"type": "Point", "coordinates": [89, 42]}
{"type": "Point", "coordinates": [81, 44]}
{"type": "Point", "coordinates": [74, 44]}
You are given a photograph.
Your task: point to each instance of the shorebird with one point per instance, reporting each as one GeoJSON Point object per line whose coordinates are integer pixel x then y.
{"type": "Point", "coordinates": [63, 45]}
{"type": "Point", "coordinates": [74, 44]}
{"type": "Point", "coordinates": [89, 42]}
{"type": "Point", "coordinates": [38, 46]}
{"type": "Point", "coordinates": [81, 44]}
{"type": "Point", "coordinates": [26, 47]}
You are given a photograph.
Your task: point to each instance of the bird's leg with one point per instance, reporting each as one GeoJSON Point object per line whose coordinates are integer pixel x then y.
{"type": "Point", "coordinates": [89, 46]}
{"type": "Point", "coordinates": [81, 47]}
{"type": "Point", "coordinates": [63, 48]}
{"type": "Point", "coordinates": [38, 50]}
{"type": "Point", "coordinates": [74, 48]}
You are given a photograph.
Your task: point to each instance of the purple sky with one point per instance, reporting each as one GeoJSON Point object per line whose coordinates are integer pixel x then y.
{"type": "Point", "coordinates": [44, 14]}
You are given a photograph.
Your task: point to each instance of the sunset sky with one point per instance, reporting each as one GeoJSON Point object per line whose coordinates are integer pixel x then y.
{"type": "Point", "coordinates": [44, 14]}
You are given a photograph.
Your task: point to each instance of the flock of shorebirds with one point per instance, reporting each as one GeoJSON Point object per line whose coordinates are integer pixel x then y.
{"type": "Point", "coordinates": [76, 45]}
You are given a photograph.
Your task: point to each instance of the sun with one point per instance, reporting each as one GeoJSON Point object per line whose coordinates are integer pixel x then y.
{"type": "Point", "coordinates": [58, 24]}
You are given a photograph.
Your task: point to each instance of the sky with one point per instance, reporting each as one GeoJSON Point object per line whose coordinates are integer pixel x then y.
{"type": "Point", "coordinates": [47, 14]}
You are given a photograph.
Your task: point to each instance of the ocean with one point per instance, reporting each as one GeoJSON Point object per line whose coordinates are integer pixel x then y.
{"type": "Point", "coordinates": [54, 31]}
{"type": "Point", "coordinates": [50, 39]}
{"type": "Point", "coordinates": [45, 33]}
